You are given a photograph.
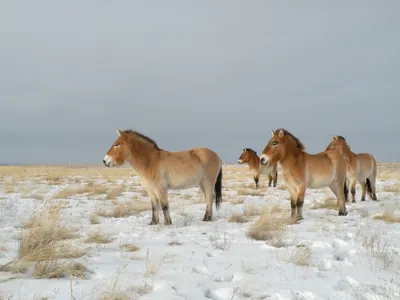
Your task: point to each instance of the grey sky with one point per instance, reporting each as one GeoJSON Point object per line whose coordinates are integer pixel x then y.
{"type": "Point", "coordinates": [215, 74]}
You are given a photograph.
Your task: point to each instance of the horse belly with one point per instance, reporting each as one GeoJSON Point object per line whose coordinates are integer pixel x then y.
{"type": "Point", "coordinates": [184, 181]}
{"type": "Point", "coordinates": [317, 181]}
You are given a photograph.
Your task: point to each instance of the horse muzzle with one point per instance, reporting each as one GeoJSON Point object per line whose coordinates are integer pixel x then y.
{"type": "Point", "coordinates": [264, 161]}
{"type": "Point", "coordinates": [239, 162]}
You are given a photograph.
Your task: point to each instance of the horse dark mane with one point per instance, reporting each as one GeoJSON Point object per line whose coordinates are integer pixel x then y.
{"type": "Point", "coordinates": [250, 150]}
{"type": "Point", "coordinates": [297, 141]}
{"type": "Point", "coordinates": [142, 137]}
{"type": "Point", "coordinates": [341, 138]}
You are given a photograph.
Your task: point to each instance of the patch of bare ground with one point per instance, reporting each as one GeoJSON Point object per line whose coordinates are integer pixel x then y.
{"type": "Point", "coordinates": [114, 192]}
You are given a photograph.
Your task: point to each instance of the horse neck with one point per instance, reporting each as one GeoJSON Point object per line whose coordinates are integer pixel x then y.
{"type": "Point", "coordinates": [350, 154]}
{"type": "Point", "coordinates": [291, 156]}
{"type": "Point", "coordinates": [140, 155]}
{"type": "Point", "coordinates": [254, 162]}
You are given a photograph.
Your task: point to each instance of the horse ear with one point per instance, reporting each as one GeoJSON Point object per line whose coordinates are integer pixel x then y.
{"type": "Point", "coordinates": [281, 133]}
{"type": "Point", "coordinates": [119, 132]}
{"type": "Point", "coordinates": [272, 132]}
{"type": "Point", "coordinates": [335, 138]}
{"type": "Point", "coordinates": [244, 150]}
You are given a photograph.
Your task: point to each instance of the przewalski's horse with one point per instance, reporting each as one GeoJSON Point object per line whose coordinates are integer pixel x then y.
{"type": "Point", "coordinates": [302, 170]}
{"type": "Point", "coordinates": [250, 157]}
{"type": "Point", "coordinates": [361, 167]}
{"type": "Point", "coordinates": [161, 170]}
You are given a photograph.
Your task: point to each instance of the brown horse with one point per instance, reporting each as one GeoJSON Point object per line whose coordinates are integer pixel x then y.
{"type": "Point", "coordinates": [361, 167]}
{"type": "Point", "coordinates": [250, 157]}
{"type": "Point", "coordinates": [161, 170]}
{"type": "Point", "coordinates": [302, 170]}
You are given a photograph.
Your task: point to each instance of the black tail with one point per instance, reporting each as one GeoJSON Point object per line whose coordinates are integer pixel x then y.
{"type": "Point", "coordinates": [368, 185]}
{"type": "Point", "coordinates": [346, 191]}
{"type": "Point", "coordinates": [218, 189]}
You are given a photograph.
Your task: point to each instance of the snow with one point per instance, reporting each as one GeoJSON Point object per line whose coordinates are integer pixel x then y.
{"type": "Point", "coordinates": [213, 260]}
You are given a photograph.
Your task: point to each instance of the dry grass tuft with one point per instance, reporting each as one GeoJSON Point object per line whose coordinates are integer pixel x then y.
{"type": "Point", "coordinates": [238, 218]}
{"type": "Point", "coordinates": [249, 192]}
{"type": "Point", "coordinates": [18, 266]}
{"type": "Point", "coordinates": [271, 226]}
{"type": "Point", "coordinates": [152, 266]}
{"type": "Point", "coordinates": [89, 188]}
{"type": "Point", "coordinates": [394, 188]}
{"type": "Point", "coordinates": [94, 219]}
{"type": "Point", "coordinates": [98, 238]}
{"type": "Point", "coordinates": [174, 244]}
{"type": "Point", "coordinates": [301, 255]}
{"type": "Point", "coordinates": [129, 248]}
{"type": "Point", "coordinates": [121, 210]}
{"type": "Point", "coordinates": [388, 215]}
{"type": "Point", "coordinates": [44, 238]}
{"type": "Point", "coordinates": [329, 203]}
{"type": "Point", "coordinates": [53, 269]}
{"type": "Point", "coordinates": [114, 193]}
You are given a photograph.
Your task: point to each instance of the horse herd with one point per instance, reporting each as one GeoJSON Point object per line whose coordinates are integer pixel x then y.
{"type": "Point", "coordinates": [337, 167]}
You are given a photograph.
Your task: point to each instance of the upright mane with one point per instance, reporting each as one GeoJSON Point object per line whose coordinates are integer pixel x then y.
{"type": "Point", "coordinates": [142, 137]}
{"type": "Point", "coordinates": [250, 150]}
{"type": "Point", "coordinates": [297, 141]}
{"type": "Point", "coordinates": [341, 138]}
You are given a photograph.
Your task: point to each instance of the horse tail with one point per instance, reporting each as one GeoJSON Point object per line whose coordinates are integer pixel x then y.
{"type": "Point", "coordinates": [346, 191]}
{"type": "Point", "coordinates": [368, 185]}
{"type": "Point", "coordinates": [218, 189]}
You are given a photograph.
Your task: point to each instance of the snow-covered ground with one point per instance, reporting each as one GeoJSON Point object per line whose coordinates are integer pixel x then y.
{"type": "Point", "coordinates": [323, 257]}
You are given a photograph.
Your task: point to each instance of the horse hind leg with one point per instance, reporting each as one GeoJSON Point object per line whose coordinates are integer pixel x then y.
{"type": "Point", "coordinates": [363, 190]}
{"type": "Point", "coordinates": [163, 198]}
{"type": "Point", "coordinates": [370, 184]}
{"type": "Point", "coordinates": [353, 191]}
{"type": "Point", "coordinates": [207, 190]}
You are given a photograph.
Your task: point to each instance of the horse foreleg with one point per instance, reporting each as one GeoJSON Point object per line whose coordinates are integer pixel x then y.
{"type": "Point", "coordinates": [275, 178]}
{"type": "Point", "coordinates": [269, 179]}
{"type": "Point", "coordinates": [353, 190]}
{"type": "Point", "coordinates": [256, 180]}
{"type": "Point", "coordinates": [155, 209]}
{"type": "Point", "coordinates": [301, 191]}
{"type": "Point", "coordinates": [363, 190]}
{"type": "Point", "coordinates": [293, 206]}
{"type": "Point", "coordinates": [163, 198]}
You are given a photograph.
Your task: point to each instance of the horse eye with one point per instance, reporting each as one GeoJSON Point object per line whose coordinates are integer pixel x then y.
{"type": "Point", "coordinates": [274, 143]}
{"type": "Point", "coordinates": [116, 145]}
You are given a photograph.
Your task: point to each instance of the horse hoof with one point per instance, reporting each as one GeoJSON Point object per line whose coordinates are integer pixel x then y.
{"type": "Point", "coordinates": [153, 222]}
{"type": "Point", "coordinates": [207, 218]}
{"type": "Point", "coordinates": [362, 199]}
{"type": "Point", "coordinates": [342, 213]}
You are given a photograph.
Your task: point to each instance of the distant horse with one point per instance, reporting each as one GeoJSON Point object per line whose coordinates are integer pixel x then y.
{"type": "Point", "coordinates": [161, 170]}
{"type": "Point", "coordinates": [250, 157]}
{"type": "Point", "coordinates": [361, 167]}
{"type": "Point", "coordinates": [302, 170]}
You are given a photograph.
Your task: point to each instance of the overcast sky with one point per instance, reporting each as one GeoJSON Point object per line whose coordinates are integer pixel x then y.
{"type": "Point", "coordinates": [216, 74]}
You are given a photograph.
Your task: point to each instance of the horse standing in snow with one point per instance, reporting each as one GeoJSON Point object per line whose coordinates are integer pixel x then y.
{"type": "Point", "coordinates": [161, 170]}
{"type": "Point", "coordinates": [361, 167]}
{"type": "Point", "coordinates": [302, 170]}
{"type": "Point", "coordinates": [250, 157]}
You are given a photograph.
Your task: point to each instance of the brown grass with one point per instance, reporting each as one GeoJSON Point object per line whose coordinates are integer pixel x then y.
{"type": "Point", "coordinates": [388, 215]}
{"type": "Point", "coordinates": [98, 238]}
{"type": "Point", "coordinates": [328, 203]}
{"type": "Point", "coordinates": [129, 248]}
{"type": "Point", "coordinates": [121, 210]}
{"type": "Point", "coordinates": [89, 189]}
{"type": "Point", "coordinates": [18, 266]}
{"type": "Point", "coordinates": [54, 269]}
{"type": "Point", "coordinates": [394, 188]}
{"type": "Point", "coordinates": [45, 238]}
{"type": "Point", "coordinates": [94, 219]}
{"type": "Point", "coordinates": [271, 226]}
{"type": "Point", "coordinates": [238, 218]}
{"type": "Point", "coordinates": [114, 193]}
{"type": "Point", "coordinates": [301, 255]}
